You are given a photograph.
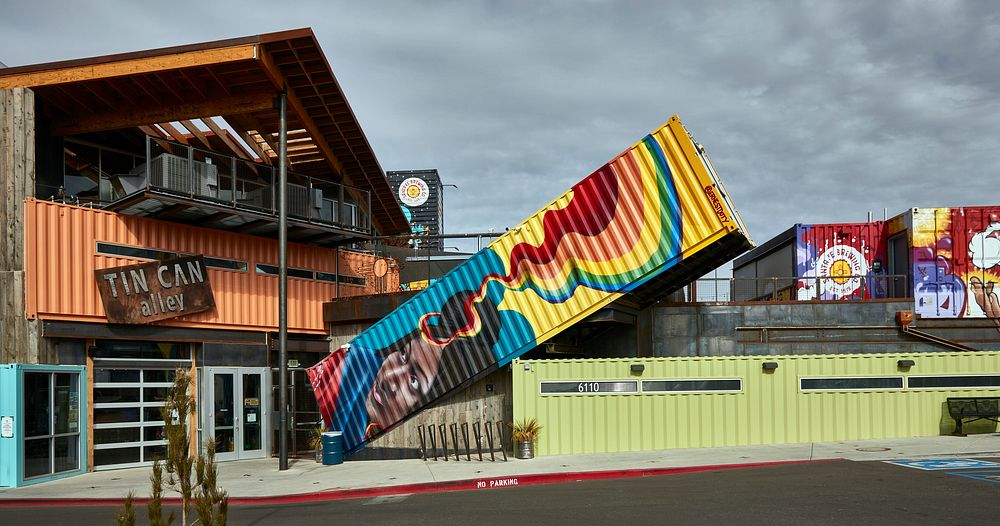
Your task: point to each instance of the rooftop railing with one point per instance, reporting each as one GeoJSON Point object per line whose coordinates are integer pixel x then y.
{"type": "Point", "coordinates": [215, 178]}
{"type": "Point", "coordinates": [833, 288]}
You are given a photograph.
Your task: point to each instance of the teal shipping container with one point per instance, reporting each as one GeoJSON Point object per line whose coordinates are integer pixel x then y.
{"type": "Point", "coordinates": [43, 423]}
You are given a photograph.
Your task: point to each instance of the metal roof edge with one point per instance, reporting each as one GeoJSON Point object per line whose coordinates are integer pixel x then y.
{"type": "Point", "coordinates": [156, 52]}
{"type": "Point", "coordinates": [766, 247]}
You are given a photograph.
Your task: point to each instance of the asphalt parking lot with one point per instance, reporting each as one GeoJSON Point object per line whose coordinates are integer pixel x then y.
{"type": "Point", "coordinates": [831, 492]}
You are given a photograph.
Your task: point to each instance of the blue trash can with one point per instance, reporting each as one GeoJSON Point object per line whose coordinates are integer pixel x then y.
{"type": "Point", "coordinates": [333, 448]}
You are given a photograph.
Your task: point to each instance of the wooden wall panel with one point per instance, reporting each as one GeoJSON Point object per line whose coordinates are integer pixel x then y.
{"type": "Point", "coordinates": [468, 405]}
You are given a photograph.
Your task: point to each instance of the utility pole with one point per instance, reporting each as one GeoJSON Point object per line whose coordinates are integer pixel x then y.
{"type": "Point", "coordinates": [283, 281]}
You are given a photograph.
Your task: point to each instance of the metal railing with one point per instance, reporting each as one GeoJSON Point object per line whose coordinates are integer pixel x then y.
{"type": "Point", "coordinates": [220, 179]}
{"type": "Point", "coordinates": [833, 288]}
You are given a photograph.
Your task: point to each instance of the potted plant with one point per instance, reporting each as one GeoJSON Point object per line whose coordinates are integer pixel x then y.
{"type": "Point", "coordinates": [525, 434]}
{"type": "Point", "coordinates": [316, 442]}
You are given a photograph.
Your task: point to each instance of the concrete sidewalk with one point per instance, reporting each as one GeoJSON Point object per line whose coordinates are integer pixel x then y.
{"type": "Point", "coordinates": [251, 479]}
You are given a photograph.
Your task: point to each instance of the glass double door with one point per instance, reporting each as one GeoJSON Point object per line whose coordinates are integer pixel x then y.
{"type": "Point", "coordinates": [236, 410]}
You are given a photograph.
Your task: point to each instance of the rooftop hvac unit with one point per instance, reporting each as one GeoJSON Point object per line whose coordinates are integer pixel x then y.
{"type": "Point", "coordinates": [298, 201]}
{"type": "Point", "coordinates": [170, 172]}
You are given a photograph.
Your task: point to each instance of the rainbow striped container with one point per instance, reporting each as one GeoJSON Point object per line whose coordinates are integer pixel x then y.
{"type": "Point", "coordinates": [645, 224]}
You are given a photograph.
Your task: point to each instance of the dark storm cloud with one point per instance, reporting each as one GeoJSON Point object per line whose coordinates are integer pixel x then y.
{"type": "Point", "coordinates": [812, 112]}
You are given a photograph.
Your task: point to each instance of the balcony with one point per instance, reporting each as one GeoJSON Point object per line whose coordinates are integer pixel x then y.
{"type": "Point", "coordinates": [178, 182]}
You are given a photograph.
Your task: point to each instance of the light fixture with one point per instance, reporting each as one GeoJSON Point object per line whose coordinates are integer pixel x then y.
{"type": "Point", "coordinates": [637, 368]}
{"type": "Point", "coordinates": [769, 366]}
{"type": "Point", "coordinates": [905, 364]}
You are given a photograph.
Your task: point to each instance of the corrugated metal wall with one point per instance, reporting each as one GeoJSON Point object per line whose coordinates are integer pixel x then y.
{"type": "Point", "coordinates": [770, 410]}
{"type": "Point", "coordinates": [61, 256]}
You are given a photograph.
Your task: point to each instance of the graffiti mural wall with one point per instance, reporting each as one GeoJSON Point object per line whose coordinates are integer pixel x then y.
{"type": "Point", "coordinates": [843, 257]}
{"type": "Point", "coordinates": [956, 262]}
{"type": "Point", "coordinates": [630, 221]}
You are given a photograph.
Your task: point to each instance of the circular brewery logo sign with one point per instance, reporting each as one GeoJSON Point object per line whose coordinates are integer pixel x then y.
{"type": "Point", "coordinates": [380, 268]}
{"type": "Point", "coordinates": [843, 265]}
{"type": "Point", "coordinates": [413, 191]}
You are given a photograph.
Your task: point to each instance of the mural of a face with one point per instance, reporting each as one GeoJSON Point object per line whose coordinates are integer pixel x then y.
{"type": "Point", "coordinates": [404, 378]}
{"type": "Point", "coordinates": [623, 226]}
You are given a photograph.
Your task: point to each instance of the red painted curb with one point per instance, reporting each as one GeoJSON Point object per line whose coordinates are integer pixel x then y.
{"type": "Point", "coordinates": [421, 487]}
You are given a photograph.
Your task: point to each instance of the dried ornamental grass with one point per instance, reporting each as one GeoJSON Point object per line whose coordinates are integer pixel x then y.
{"type": "Point", "coordinates": [527, 430]}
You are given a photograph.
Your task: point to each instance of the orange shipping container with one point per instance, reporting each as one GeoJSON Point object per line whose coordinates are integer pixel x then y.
{"type": "Point", "coordinates": [65, 244]}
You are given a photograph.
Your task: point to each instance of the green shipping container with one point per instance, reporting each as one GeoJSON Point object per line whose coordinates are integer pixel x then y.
{"type": "Point", "coordinates": [611, 405]}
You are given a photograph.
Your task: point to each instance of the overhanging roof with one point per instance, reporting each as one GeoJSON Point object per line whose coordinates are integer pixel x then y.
{"type": "Point", "coordinates": [236, 79]}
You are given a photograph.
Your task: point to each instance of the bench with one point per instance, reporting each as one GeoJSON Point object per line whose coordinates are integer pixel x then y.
{"type": "Point", "coordinates": [970, 409]}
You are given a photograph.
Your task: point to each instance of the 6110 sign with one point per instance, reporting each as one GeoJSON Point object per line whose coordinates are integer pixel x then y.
{"type": "Point", "coordinates": [589, 387]}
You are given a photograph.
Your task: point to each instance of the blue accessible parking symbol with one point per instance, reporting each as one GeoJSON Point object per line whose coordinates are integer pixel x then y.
{"type": "Point", "coordinates": [987, 475]}
{"type": "Point", "coordinates": [938, 464]}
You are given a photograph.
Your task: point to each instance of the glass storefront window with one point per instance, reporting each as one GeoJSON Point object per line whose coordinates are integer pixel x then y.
{"type": "Point", "coordinates": [36, 397]}
{"type": "Point", "coordinates": [52, 423]}
{"type": "Point", "coordinates": [155, 394]}
{"type": "Point", "coordinates": [103, 376]}
{"type": "Point", "coordinates": [159, 376]}
{"type": "Point", "coordinates": [115, 395]}
{"type": "Point", "coordinates": [66, 404]}
{"type": "Point", "coordinates": [128, 402]}
{"type": "Point", "coordinates": [66, 450]}
{"type": "Point", "coordinates": [115, 435]}
{"type": "Point", "coordinates": [105, 457]}
{"type": "Point", "coordinates": [81, 179]}
{"type": "Point", "coordinates": [115, 415]}
{"type": "Point", "coordinates": [121, 349]}
{"type": "Point", "coordinates": [36, 457]}
{"type": "Point", "coordinates": [94, 173]}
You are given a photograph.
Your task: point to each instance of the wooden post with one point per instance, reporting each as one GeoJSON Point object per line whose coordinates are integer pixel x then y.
{"type": "Point", "coordinates": [88, 345]}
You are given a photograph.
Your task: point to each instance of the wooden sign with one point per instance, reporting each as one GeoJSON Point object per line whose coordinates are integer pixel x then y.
{"type": "Point", "coordinates": [155, 291]}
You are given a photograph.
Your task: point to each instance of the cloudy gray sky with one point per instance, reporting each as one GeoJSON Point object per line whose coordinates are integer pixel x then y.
{"type": "Point", "coordinates": [812, 112]}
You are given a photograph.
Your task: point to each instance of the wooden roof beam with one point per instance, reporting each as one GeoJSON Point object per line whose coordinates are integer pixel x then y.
{"type": "Point", "coordinates": [196, 133]}
{"type": "Point", "coordinates": [258, 151]}
{"type": "Point", "coordinates": [123, 68]}
{"type": "Point", "coordinates": [278, 81]}
{"type": "Point", "coordinates": [174, 132]}
{"type": "Point", "coordinates": [222, 134]}
{"type": "Point", "coordinates": [242, 124]}
{"type": "Point", "coordinates": [153, 131]}
{"type": "Point", "coordinates": [132, 117]}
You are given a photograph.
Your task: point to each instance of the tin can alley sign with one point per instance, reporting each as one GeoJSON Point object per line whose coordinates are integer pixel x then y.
{"type": "Point", "coordinates": [155, 291]}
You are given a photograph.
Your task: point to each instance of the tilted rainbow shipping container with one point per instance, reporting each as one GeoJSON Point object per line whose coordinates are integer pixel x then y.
{"type": "Point", "coordinates": [641, 226]}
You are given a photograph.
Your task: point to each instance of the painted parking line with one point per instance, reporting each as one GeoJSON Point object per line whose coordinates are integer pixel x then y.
{"type": "Point", "coordinates": [985, 475]}
{"type": "Point", "coordinates": [940, 464]}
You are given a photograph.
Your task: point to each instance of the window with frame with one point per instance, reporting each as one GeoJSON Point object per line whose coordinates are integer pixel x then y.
{"type": "Point", "coordinates": [852, 383]}
{"type": "Point", "coordinates": [959, 381]}
{"type": "Point", "coordinates": [51, 422]}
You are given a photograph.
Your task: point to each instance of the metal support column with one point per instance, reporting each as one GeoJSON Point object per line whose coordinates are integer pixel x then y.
{"type": "Point", "coordinates": [283, 282]}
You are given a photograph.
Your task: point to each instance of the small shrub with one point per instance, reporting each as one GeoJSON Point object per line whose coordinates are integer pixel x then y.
{"type": "Point", "coordinates": [526, 430]}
